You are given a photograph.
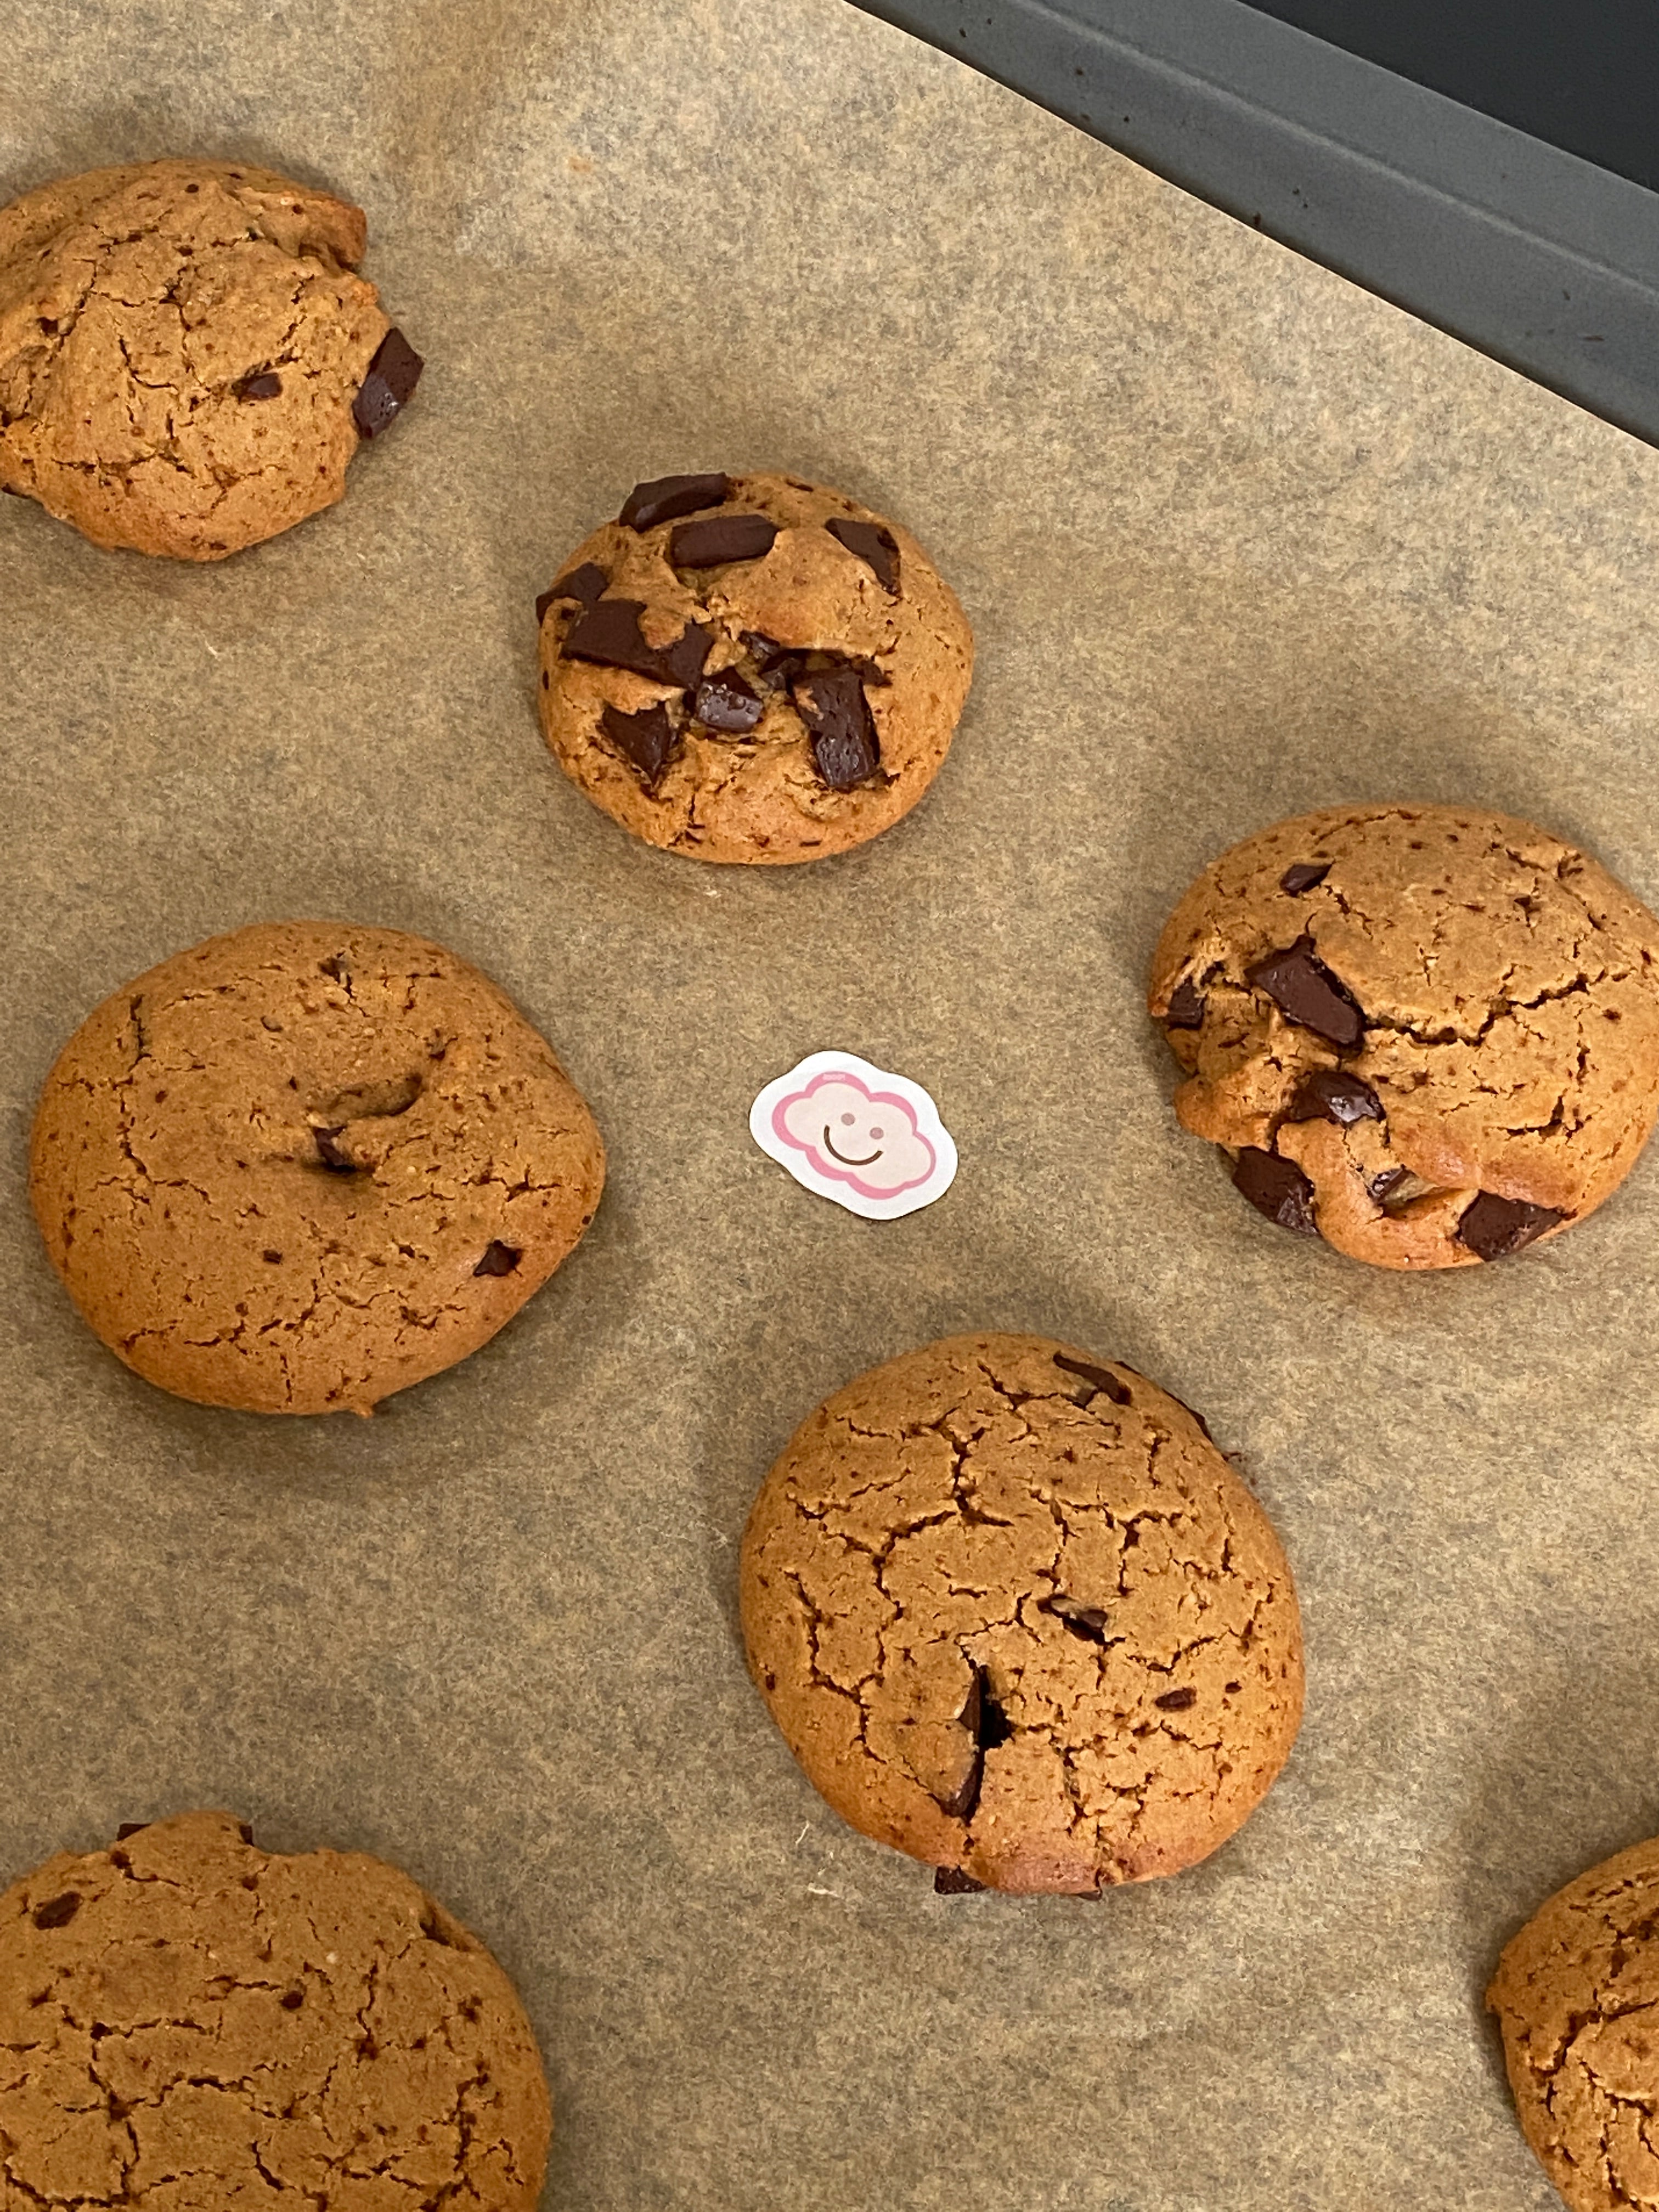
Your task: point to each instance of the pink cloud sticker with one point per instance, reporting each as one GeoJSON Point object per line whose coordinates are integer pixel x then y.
{"type": "Point", "coordinates": [869, 1139]}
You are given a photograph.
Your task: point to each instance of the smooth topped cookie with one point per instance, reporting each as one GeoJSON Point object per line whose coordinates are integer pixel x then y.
{"type": "Point", "coordinates": [188, 359]}
{"type": "Point", "coordinates": [298, 1167]}
{"type": "Point", "coordinates": [190, 2024]}
{"type": "Point", "coordinates": [1016, 1615]}
{"type": "Point", "coordinates": [1576, 1995]}
{"type": "Point", "coordinates": [1428, 1034]}
{"type": "Point", "coordinates": [751, 668]}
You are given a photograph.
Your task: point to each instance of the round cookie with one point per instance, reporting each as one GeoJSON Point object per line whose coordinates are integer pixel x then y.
{"type": "Point", "coordinates": [301, 1167]}
{"type": "Point", "coordinates": [1574, 1994]}
{"type": "Point", "coordinates": [193, 2025]}
{"type": "Point", "coordinates": [751, 668]}
{"type": "Point", "coordinates": [187, 358]}
{"type": "Point", "coordinates": [1016, 1615]}
{"type": "Point", "coordinates": [1428, 1034]}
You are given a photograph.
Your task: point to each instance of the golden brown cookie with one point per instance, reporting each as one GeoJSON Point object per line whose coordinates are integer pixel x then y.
{"type": "Point", "coordinates": [190, 2024]}
{"type": "Point", "coordinates": [1016, 1615]}
{"type": "Point", "coordinates": [1428, 1034]}
{"type": "Point", "coordinates": [1576, 1995]}
{"type": "Point", "coordinates": [187, 358]}
{"type": "Point", "coordinates": [751, 668]}
{"type": "Point", "coordinates": [298, 1167]}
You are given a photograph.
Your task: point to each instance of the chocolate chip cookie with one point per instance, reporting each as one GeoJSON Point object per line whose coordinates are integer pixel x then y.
{"type": "Point", "coordinates": [751, 668]}
{"type": "Point", "coordinates": [191, 2024]}
{"type": "Point", "coordinates": [1016, 1615]}
{"type": "Point", "coordinates": [188, 359]}
{"type": "Point", "coordinates": [1429, 1034]}
{"type": "Point", "coordinates": [301, 1167]}
{"type": "Point", "coordinates": [1574, 1994]}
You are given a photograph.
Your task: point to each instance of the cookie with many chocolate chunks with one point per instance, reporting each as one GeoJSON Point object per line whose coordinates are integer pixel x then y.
{"type": "Point", "coordinates": [751, 668]}
{"type": "Point", "coordinates": [296, 1169]}
{"type": "Point", "coordinates": [192, 2024]}
{"type": "Point", "coordinates": [1574, 1996]}
{"type": "Point", "coordinates": [1016, 1615]}
{"type": "Point", "coordinates": [1429, 1034]}
{"type": "Point", "coordinates": [188, 357]}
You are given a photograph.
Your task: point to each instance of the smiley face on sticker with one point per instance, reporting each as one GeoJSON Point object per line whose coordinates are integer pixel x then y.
{"type": "Point", "coordinates": [869, 1139]}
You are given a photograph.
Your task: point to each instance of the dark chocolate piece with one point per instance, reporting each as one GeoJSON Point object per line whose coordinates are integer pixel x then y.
{"type": "Point", "coordinates": [1186, 1006]}
{"type": "Point", "coordinates": [1100, 1376]}
{"type": "Point", "coordinates": [721, 538]}
{"type": "Point", "coordinates": [845, 749]}
{"type": "Point", "coordinates": [291, 2000]}
{"type": "Point", "coordinates": [1493, 1227]}
{"type": "Point", "coordinates": [264, 384]}
{"type": "Point", "coordinates": [1384, 1181]}
{"type": "Point", "coordinates": [949, 1882]}
{"type": "Point", "coordinates": [874, 546]}
{"type": "Point", "coordinates": [1326, 1094]}
{"type": "Point", "coordinates": [389, 385]}
{"type": "Point", "coordinates": [646, 738]}
{"type": "Point", "coordinates": [665, 497]}
{"type": "Point", "coordinates": [130, 1828]}
{"type": "Point", "coordinates": [725, 701]}
{"type": "Point", "coordinates": [767, 653]}
{"type": "Point", "coordinates": [1301, 875]}
{"type": "Point", "coordinates": [587, 584]}
{"type": "Point", "coordinates": [1088, 1622]}
{"type": "Point", "coordinates": [329, 1153]}
{"type": "Point", "coordinates": [987, 1726]}
{"type": "Point", "coordinates": [245, 1832]}
{"type": "Point", "coordinates": [60, 1911]}
{"type": "Point", "coordinates": [1305, 992]}
{"type": "Point", "coordinates": [499, 1259]}
{"type": "Point", "coordinates": [1278, 1188]}
{"type": "Point", "coordinates": [608, 632]}
{"type": "Point", "coordinates": [1175, 1701]}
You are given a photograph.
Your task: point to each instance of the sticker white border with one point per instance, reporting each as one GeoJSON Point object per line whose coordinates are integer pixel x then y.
{"type": "Point", "coordinates": [877, 1081]}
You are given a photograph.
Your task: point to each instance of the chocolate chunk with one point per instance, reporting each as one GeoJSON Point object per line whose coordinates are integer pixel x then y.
{"type": "Point", "coordinates": [767, 653]}
{"type": "Point", "coordinates": [1301, 875]}
{"type": "Point", "coordinates": [587, 584]}
{"type": "Point", "coordinates": [646, 738]}
{"type": "Point", "coordinates": [1384, 1181]}
{"type": "Point", "coordinates": [1305, 992]}
{"type": "Point", "coordinates": [1186, 1006]}
{"type": "Point", "coordinates": [291, 2000]}
{"type": "Point", "coordinates": [61, 1911]}
{"type": "Point", "coordinates": [723, 537]}
{"type": "Point", "coordinates": [389, 385]}
{"type": "Point", "coordinates": [330, 1153]}
{"type": "Point", "coordinates": [682, 662]}
{"type": "Point", "coordinates": [665, 497]}
{"type": "Point", "coordinates": [725, 701]}
{"type": "Point", "coordinates": [245, 1832]}
{"type": "Point", "coordinates": [499, 1259]}
{"type": "Point", "coordinates": [608, 632]}
{"type": "Point", "coordinates": [1494, 1227]}
{"type": "Point", "coordinates": [1324, 1094]}
{"type": "Point", "coordinates": [1088, 1622]}
{"type": "Point", "coordinates": [845, 750]}
{"type": "Point", "coordinates": [1278, 1188]}
{"type": "Point", "coordinates": [1175, 1701]}
{"type": "Point", "coordinates": [874, 547]}
{"type": "Point", "coordinates": [987, 1726]}
{"type": "Point", "coordinates": [264, 384]}
{"type": "Point", "coordinates": [130, 1828]}
{"type": "Point", "coordinates": [949, 1882]}
{"type": "Point", "coordinates": [1100, 1376]}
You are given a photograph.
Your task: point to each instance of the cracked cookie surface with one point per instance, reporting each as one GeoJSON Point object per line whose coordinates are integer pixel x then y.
{"type": "Point", "coordinates": [751, 668]}
{"type": "Point", "coordinates": [1016, 1615]}
{"type": "Point", "coordinates": [181, 347]}
{"type": "Point", "coordinates": [1577, 1996]}
{"type": "Point", "coordinates": [190, 2024]}
{"type": "Point", "coordinates": [1428, 1034]}
{"type": "Point", "coordinates": [301, 1167]}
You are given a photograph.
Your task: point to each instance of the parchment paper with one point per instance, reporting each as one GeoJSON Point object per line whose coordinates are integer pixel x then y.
{"type": "Point", "coordinates": [1237, 540]}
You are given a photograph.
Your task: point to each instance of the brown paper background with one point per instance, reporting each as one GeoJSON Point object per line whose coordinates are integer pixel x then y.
{"type": "Point", "coordinates": [1236, 540]}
